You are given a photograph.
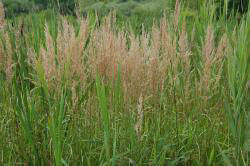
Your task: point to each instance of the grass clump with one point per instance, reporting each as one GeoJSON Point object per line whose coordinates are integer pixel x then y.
{"type": "Point", "coordinates": [88, 91]}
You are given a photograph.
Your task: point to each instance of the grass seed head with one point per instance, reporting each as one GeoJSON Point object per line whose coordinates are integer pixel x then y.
{"type": "Point", "coordinates": [2, 16]}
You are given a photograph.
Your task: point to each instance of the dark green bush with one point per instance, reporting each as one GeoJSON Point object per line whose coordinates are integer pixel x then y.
{"type": "Point", "coordinates": [239, 5]}
{"type": "Point", "coordinates": [17, 7]}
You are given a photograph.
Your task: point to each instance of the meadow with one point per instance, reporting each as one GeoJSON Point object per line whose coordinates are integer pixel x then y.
{"type": "Point", "coordinates": [111, 89]}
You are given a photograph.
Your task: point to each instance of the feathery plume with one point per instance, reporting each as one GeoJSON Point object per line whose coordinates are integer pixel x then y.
{"type": "Point", "coordinates": [208, 51]}
{"type": "Point", "coordinates": [185, 54]}
{"type": "Point", "coordinates": [6, 61]}
{"type": "Point", "coordinates": [177, 14]}
{"type": "Point", "coordinates": [184, 49]}
{"type": "Point", "coordinates": [2, 16]}
{"type": "Point", "coordinates": [221, 52]}
{"type": "Point", "coordinates": [139, 119]}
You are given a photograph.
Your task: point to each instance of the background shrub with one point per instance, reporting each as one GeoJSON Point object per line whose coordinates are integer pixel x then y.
{"type": "Point", "coordinates": [146, 8]}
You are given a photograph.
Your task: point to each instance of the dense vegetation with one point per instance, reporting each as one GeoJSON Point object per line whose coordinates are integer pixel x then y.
{"type": "Point", "coordinates": [16, 7]}
{"type": "Point", "coordinates": [150, 83]}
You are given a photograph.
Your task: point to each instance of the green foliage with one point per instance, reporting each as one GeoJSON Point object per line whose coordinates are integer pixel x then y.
{"type": "Point", "coordinates": [239, 5]}
{"type": "Point", "coordinates": [17, 7]}
{"type": "Point", "coordinates": [55, 125]}
{"type": "Point", "coordinates": [102, 99]}
{"type": "Point", "coordinates": [146, 8]}
{"type": "Point", "coordinates": [238, 75]}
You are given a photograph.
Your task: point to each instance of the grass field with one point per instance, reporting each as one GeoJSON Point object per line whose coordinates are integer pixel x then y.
{"type": "Point", "coordinates": [107, 90]}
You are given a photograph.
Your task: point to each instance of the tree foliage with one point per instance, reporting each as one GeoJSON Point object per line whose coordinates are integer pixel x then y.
{"type": "Point", "coordinates": [16, 7]}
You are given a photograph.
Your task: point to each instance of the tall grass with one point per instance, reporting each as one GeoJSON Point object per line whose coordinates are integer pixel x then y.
{"type": "Point", "coordinates": [238, 76]}
{"type": "Point", "coordinates": [86, 91]}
